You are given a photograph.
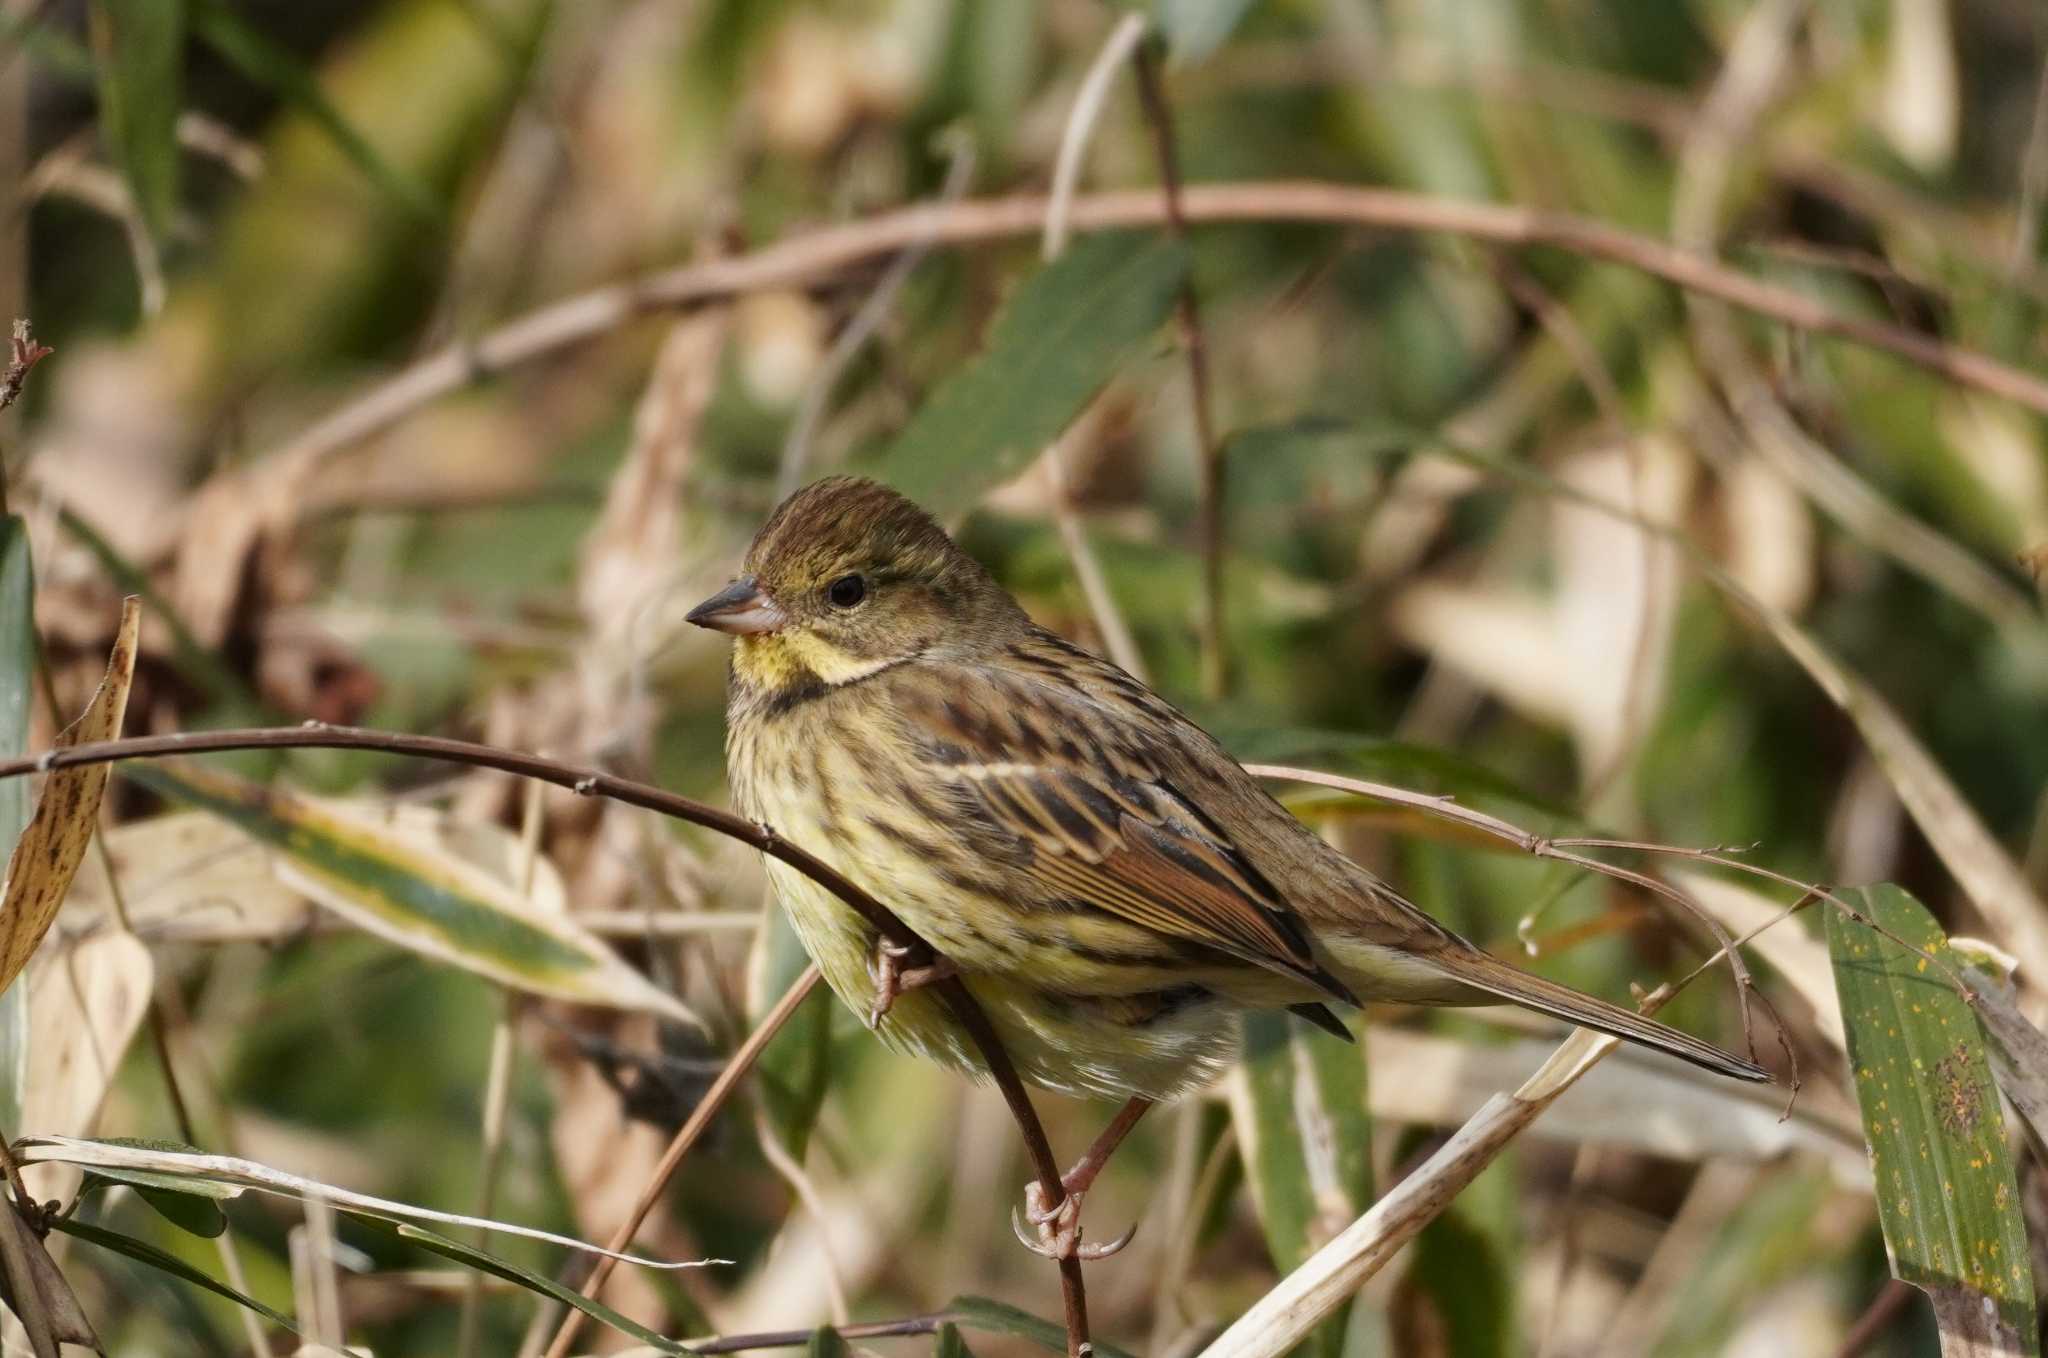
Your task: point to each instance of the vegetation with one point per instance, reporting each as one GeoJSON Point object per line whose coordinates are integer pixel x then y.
{"type": "Point", "coordinates": [1590, 457]}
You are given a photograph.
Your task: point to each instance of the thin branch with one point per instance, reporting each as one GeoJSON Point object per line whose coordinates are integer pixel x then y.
{"type": "Point", "coordinates": [498, 1088]}
{"type": "Point", "coordinates": [796, 444]}
{"type": "Point", "coordinates": [671, 1159]}
{"type": "Point", "coordinates": [1599, 382]}
{"type": "Point", "coordinates": [816, 256]}
{"type": "Point", "coordinates": [594, 783]}
{"type": "Point", "coordinates": [1074, 139]}
{"type": "Point", "coordinates": [1537, 845]}
{"type": "Point", "coordinates": [1088, 101]}
{"type": "Point", "coordinates": [1109, 619]}
{"type": "Point", "coordinates": [1188, 320]}
{"type": "Point", "coordinates": [1336, 1271]}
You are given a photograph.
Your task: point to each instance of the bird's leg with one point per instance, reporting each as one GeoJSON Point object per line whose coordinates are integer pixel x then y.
{"type": "Point", "coordinates": [892, 978]}
{"type": "Point", "coordinates": [1059, 1225]}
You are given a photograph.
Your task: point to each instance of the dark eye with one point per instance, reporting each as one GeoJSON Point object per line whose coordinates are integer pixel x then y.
{"type": "Point", "coordinates": [846, 591]}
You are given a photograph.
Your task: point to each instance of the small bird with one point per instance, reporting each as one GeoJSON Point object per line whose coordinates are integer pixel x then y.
{"type": "Point", "coordinates": [1109, 884]}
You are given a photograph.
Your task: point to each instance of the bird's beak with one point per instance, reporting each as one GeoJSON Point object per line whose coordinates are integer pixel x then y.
{"type": "Point", "coordinates": [742, 608]}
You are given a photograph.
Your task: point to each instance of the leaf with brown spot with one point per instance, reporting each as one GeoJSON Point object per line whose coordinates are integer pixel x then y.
{"type": "Point", "coordinates": [1946, 1195]}
{"type": "Point", "coordinates": [48, 854]}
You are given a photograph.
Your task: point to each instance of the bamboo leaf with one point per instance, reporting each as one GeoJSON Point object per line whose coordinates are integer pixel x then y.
{"type": "Point", "coordinates": [139, 47]}
{"type": "Point", "coordinates": [826, 1342]}
{"type": "Point", "coordinates": [485, 1262]}
{"type": "Point", "coordinates": [1056, 343]}
{"type": "Point", "coordinates": [420, 897]}
{"type": "Point", "coordinates": [193, 1168]}
{"type": "Point", "coordinates": [950, 1344]}
{"type": "Point", "coordinates": [980, 1313]}
{"type": "Point", "coordinates": [1946, 1196]}
{"type": "Point", "coordinates": [193, 1212]}
{"type": "Point", "coordinates": [145, 1253]}
{"type": "Point", "coordinates": [47, 856]}
{"type": "Point", "coordinates": [1298, 1101]}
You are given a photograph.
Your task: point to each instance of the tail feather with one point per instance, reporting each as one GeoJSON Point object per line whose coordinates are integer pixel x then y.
{"type": "Point", "coordinates": [1495, 977]}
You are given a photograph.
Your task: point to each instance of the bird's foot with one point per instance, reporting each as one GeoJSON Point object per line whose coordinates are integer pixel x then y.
{"type": "Point", "coordinates": [1058, 1226]}
{"type": "Point", "coordinates": [892, 978]}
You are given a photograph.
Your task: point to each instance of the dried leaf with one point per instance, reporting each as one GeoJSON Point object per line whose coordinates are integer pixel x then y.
{"type": "Point", "coordinates": [47, 857]}
{"type": "Point", "coordinates": [86, 1003]}
{"type": "Point", "coordinates": [419, 895]}
{"type": "Point", "coordinates": [35, 1290]}
{"type": "Point", "coordinates": [227, 1171]}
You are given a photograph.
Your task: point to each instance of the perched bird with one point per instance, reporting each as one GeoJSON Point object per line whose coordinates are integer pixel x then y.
{"type": "Point", "coordinates": [1109, 883]}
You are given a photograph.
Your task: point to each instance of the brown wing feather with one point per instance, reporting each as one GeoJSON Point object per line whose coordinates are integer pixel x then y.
{"type": "Point", "coordinates": [1102, 826]}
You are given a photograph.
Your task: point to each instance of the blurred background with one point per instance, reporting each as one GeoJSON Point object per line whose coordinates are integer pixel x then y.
{"type": "Point", "coordinates": [355, 380]}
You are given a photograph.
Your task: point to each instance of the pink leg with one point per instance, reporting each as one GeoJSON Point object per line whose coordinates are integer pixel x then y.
{"type": "Point", "coordinates": [1059, 1226]}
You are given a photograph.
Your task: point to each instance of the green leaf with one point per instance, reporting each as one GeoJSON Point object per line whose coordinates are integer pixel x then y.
{"type": "Point", "coordinates": [485, 1262]}
{"type": "Point", "coordinates": [1056, 343]}
{"type": "Point", "coordinates": [980, 1313]}
{"type": "Point", "coordinates": [1945, 1190]}
{"type": "Point", "coordinates": [1195, 28]}
{"type": "Point", "coordinates": [139, 45]}
{"type": "Point", "coordinates": [17, 682]}
{"type": "Point", "coordinates": [795, 1067]}
{"type": "Point", "coordinates": [276, 68]}
{"type": "Point", "coordinates": [145, 1253]}
{"type": "Point", "coordinates": [417, 895]}
{"type": "Point", "coordinates": [950, 1344]}
{"type": "Point", "coordinates": [194, 1212]}
{"type": "Point", "coordinates": [1298, 1101]}
{"type": "Point", "coordinates": [826, 1342]}
{"type": "Point", "coordinates": [1466, 1263]}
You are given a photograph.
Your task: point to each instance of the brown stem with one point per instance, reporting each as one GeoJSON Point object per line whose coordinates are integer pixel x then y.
{"type": "Point", "coordinates": [1188, 320]}
{"type": "Point", "coordinates": [817, 255]}
{"type": "Point", "coordinates": [672, 1158]}
{"type": "Point", "coordinates": [591, 782]}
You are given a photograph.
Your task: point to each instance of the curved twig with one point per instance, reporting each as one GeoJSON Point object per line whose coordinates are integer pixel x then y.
{"type": "Point", "coordinates": [817, 255]}
{"type": "Point", "coordinates": [593, 783]}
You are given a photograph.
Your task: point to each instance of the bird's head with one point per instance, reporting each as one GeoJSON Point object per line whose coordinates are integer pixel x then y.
{"type": "Point", "coordinates": [848, 578]}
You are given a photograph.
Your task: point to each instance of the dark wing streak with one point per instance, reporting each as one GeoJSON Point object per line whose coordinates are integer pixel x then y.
{"type": "Point", "coordinates": [1104, 829]}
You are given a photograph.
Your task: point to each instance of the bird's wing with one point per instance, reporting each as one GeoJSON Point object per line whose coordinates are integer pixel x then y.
{"type": "Point", "coordinates": [1068, 779]}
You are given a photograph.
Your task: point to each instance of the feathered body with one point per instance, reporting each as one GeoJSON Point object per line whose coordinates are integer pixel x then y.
{"type": "Point", "coordinates": [1111, 884]}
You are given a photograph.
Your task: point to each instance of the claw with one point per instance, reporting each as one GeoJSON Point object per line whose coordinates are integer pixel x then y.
{"type": "Point", "coordinates": [1059, 1228]}
{"type": "Point", "coordinates": [1090, 1253]}
{"type": "Point", "coordinates": [892, 978]}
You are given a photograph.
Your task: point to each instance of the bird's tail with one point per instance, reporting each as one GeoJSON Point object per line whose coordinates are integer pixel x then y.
{"type": "Point", "coordinates": [1481, 971]}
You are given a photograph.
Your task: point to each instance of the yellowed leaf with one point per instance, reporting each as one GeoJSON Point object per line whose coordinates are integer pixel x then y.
{"type": "Point", "coordinates": [86, 1003]}
{"type": "Point", "coordinates": [47, 857]}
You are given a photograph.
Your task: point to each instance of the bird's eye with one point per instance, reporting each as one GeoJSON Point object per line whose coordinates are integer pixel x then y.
{"type": "Point", "coordinates": [846, 591]}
